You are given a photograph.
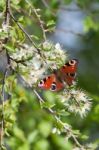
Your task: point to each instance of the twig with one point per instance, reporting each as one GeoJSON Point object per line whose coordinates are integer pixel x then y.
{"type": "Point", "coordinates": [21, 61]}
{"type": "Point", "coordinates": [67, 128]}
{"type": "Point", "coordinates": [39, 19]}
{"type": "Point", "coordinates": [7, 15]}
{"type": "Point", "coordinates": [45, 3]}
{"type": "Point", "coordinates": [37, 49]}
{"type": "Point", "coordinates": [6, 27]}
{"type": "Point", "coordinates": [48, 7]}
{"type": "Point", "coordinates": [34, 18]}
{"type": "Point", "coordinates": [2, 100]}
{"type": "Point", "coordinates": [28, 36]}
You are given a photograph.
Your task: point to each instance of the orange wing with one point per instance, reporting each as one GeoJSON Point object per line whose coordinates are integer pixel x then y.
{"type": "Point", "coordinates": [51, 83]}
{"type": "Point", "coordinates": [68, 71]}
{"type": "Point", "coordinates": [54, 82]}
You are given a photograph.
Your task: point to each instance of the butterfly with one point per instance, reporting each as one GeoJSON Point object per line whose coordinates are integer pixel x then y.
{"type": "Point", "coordinates": [56, 81]}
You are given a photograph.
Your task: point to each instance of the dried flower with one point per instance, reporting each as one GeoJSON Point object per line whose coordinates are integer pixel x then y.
{"type": "Point", "coordinates": [76, 101]}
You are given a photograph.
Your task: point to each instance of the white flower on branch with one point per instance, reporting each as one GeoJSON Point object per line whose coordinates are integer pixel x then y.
{"type": "Point", "coordinates": [89, 146]}
{"type": "Point", "coordinates": [54, 54]}
{"type": "Point", "coordinates": [47, 45]}
{"type": "Point", "coordinates": [57, 46]}
{"type": "Point", "coordinates": [76, 101]}
{"type": "Point", "coordinates": [36, 66]}
{"type": "Point", "coordinates": [55, 130]}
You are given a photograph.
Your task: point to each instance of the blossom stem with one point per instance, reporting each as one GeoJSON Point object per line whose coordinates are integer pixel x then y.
{"type": "Point", "coordinates": [67, 128]}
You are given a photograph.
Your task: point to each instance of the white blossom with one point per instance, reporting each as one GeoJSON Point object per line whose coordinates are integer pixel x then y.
{"type": "Point", "coordinates": [76, 101]}
{"type": "Point", "coordinates": [55, 130]}
{"type": "Point", "coordinates": [36, 67]}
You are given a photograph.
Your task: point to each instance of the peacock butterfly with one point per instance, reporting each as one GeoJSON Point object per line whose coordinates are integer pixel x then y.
{"type": "Point", "coordinates": [57, 80]}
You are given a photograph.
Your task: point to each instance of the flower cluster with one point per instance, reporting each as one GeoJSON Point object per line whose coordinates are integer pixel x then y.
{"type": "Point", "coordinates": [54, 54]}
{"type": "Point", "coordinates": [76, 101]}
{"type": "Point", "coordinates": [35, 66]}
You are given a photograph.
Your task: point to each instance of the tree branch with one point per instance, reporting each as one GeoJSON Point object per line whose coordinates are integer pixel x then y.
{"type": "Point", "coordinates": [6, 28]}
{"type": "Point", "coordinates": [27, 35]}
{"type": "Point", "coordinates": [39, 19]}
{"type": "Point", "coordinates": [2, 101]}
{"type": "Point", "coordinates": [7, 15]}
{"type": "Point", "coordinates": [66, 127]}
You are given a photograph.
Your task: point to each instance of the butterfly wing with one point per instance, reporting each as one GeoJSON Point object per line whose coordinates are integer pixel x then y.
{"type": "Point", "coordinates": [68, 71]}
{"type": "Point", "coordinates": [55, 81]}
{"type": "Point", "coordinates": [51, 83]}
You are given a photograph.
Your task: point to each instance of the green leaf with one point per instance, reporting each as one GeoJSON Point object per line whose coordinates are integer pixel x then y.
{"type": "Point", "coordinates": [45, 128]}
{"type": "Point", "coordinates": [2, 3]}
{"type": "Point", "coordinates": [61, 143]}
{"type": "Point", "coordinates": [19, 134]}
{"type": "Point", "coordinates": [42, 144]}
{"type": "Point", "coordinates": [63, 113]}
{"type": "Point", "coordinates": [89, 23]}
{"type": "Point", "coordinates": [47, 105]}
{"type": "Point", "coordinates": [3, 147]}
{"type": "Point", "coordinates": [21, 19]}
{"type": "Point", "coordinates": [9, 48]}
{"type": "Point", "coordinates": [50, 96]}
{"type": "Point", "coordinates": [76, 132]}
{"type": "Point", "coordinates": [50, 23]}
{"type": "Point", "coordinates": [33, 136]}
{"type": "Point", "coordinates": [35, 37]}
{"type": "Point", "coordinates": [84, 137]}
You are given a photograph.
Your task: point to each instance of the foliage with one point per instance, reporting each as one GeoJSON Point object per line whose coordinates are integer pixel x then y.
{"type": "Point", "coordinates": [29, 117]}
